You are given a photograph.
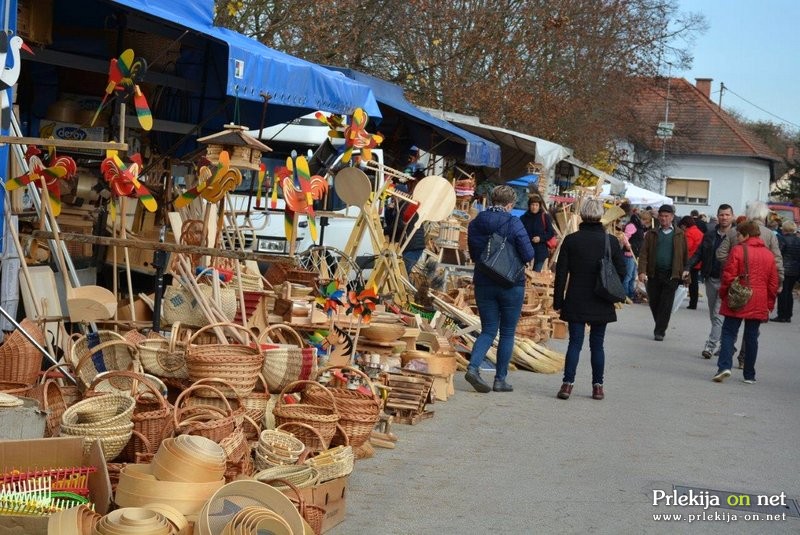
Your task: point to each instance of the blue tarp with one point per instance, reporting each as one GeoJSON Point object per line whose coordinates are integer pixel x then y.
{"type": "Point", "coordinates": [253, 68]}
{"type": "Point", "coordinates": [474, 150]}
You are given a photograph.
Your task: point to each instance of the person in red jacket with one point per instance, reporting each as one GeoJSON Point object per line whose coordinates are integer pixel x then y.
{"type": "Point", "coordinates": [694, 237]}
{"type": "Point", "coordinates": [749, 256]}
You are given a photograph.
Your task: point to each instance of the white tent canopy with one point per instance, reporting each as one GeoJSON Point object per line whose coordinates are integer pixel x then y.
{"type": "Point", "coordinates": [638, 195]}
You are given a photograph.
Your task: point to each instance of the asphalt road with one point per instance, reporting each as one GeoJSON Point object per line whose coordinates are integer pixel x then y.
{"type": "Point", "coordinates": [528, 463]}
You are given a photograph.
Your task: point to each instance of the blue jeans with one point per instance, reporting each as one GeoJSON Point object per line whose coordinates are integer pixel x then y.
{"type": "Point", "coordinates": [629, 284]}
{"type": "Point", "coordinates": [597, 334]}
{"type": "Point", "coordinates": [538, 263]}
{"type": "Point", "coordinates": [499, 309]}
{"type": "Point", "coordinates": [730, 329]}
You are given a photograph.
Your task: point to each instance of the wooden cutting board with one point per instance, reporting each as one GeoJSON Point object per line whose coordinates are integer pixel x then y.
{"type": "Point", "coordinates": [436, 198]}
{"type": "Point", "coordinates": [352, 186]}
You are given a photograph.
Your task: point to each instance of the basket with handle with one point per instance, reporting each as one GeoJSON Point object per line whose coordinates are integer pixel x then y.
{"type": "Point", "coordinates": [307, 434]}
{"type": "Point", "coordinates": [20, 361]}
{"type": "Point", "coordinates": [152, 414]}
{"type": "Point", "coordinates": [255, 406]}
{"type": "Point", "coordinates": [101, 351]}
{"type": "Point", "coordinates": [98, 411]}
{"type": "Point", "coordinates": [237, 364]}
{"type": "Point", "coordinates": [51, 398]}
{"type": "Point", "coordinates": [322, 417]}
{"type": "Point", "coordinates": [333, 463]}
{"type": "Point", "coordinates": [15, 389]}
{"type": "Point", "coordinates": [210, 398]}
{"type": "Point", "coordinates": [285, 357]}
{"type": "Point", "coordinates": [358, 411]}
{"type": "Point", "coordinates": [164, 357]}
{"type": "Point", "coordinates": [312, 514]}
{"type": "Point", "coordinates": [204, 420]}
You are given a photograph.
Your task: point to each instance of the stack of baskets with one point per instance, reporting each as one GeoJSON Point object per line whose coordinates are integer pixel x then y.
{"type": "Point", "coordinates": [359, 411]}
{"type": "Point", "coordinates": [106, 417]}
{"type": "Point", "coordinates": [333, 463]}
{"type": "Point", "coordinates": [299, 475]}
{"type": "Point", "coordinates": [277, 448]}
{"type": "Point", "coordinates": [238, 364]}
{"type": "Point", "coordinates": [315, 422]}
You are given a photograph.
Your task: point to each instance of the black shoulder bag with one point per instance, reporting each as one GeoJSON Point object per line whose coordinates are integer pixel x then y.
{"type": "Point", "coordinates": [609, 287]}
{"type": "Point", "coordinates": [500, 260]}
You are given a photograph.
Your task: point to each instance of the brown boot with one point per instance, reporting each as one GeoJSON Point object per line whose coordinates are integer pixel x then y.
{"type": "Point", "coordinates": [566, 390]}
{"type": "Point", "coordinates": [597, 391]}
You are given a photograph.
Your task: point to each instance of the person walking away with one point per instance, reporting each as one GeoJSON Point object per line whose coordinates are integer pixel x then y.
{"type": "Point", "coordinates": [693, 239]}
{"type": "Point", "coordinates": [574, 297]}
{"type": "Point", "coordinates": [499, 306]}
{"type": "Point", "coordinates": [711, 269]}
{"type": "Point", "coordinates": [752, 260]}
{"type": "Point", "coordinates": [539, 226]}
{"type": "Point", "coordinates": [629, 280]}
{"type": "Point", "coordinates": [790, 250]}
{"type": "Point", "coordinates": [661, 267]}
{"type": "Point", "coordinates": [634, 231]}
{"type": "Point", "coordinates": [756, 211]}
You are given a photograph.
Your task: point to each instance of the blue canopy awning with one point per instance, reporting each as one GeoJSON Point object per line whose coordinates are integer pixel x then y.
{"type": "Point", "coordinates": [253, 68]}
{"type": "Point", "coordinates": [440, 136]}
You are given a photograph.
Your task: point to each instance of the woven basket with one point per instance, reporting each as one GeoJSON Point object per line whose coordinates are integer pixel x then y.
{"type": "Point", "coordinates": [114, 468]}
{"type": "Point", "coordinates": [99, 352]}
{"type": "Point", "coordinates": [358, 411]}
{"type": "Point", "coordinates": [107, 410]}
{"type": "Point", "coordinates": [235, 446]}
{"type": "Point", "coordinates": [203, 420]}
{"type": "Point", "coordinates": [308, 435]}
{"type": "Point", "coordinates": [15, 389]}
{"type": "Point", "coordinates": [20, 361]}
{"type": "Point", "coordinates": [152, 414]}
{"type": "Point", "coordinates": [164, 357]}
{"type": "Point", "coordinates": [112, 438]}
{"type": "Point", "coordinates": [255, 406]}
{"type": "Point", "coordinates": [312, 514]}
{"type": "Point", "coordinates": [333, 463]}
{"type": "Point", "coordinates": [285, 358]}
{"type": "Point", "coordinates": [321, 417]}
{"type": "Point", "coordinates": [238, 364]}
{"type": "Point", "coordinates": [300, 475]}
{"type": "Point", "coordinates": [210, 398]}
{"type": "Point", "coordinates": [51, 399]}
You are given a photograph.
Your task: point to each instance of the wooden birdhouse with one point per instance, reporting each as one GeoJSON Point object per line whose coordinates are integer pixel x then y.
{"type": "Point", "coordinates": [245, 150]}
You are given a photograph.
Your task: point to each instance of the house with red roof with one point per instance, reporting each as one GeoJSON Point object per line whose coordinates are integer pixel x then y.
{"type": "Point", "coordinates": [686, 147]}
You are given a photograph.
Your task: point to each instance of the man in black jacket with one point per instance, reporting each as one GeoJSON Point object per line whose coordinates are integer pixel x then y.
{"type": "Point", "coordinates": [711, 270]}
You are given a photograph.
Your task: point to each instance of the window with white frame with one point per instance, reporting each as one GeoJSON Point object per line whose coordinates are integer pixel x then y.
{"type": "Point", "coordinates": [688, 191]}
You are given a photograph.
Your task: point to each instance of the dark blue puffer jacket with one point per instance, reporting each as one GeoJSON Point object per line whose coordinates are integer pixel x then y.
{"type": "Point", "coordinates": [481, 229]}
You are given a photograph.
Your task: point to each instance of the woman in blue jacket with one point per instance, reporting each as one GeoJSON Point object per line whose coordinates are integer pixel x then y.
{"type": "Point", "coordinates": [539, 225]}
{"type": "Point", "coordinates": [499, 305]}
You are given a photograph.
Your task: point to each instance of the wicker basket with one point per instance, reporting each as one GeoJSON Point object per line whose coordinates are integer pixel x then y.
{"type": "Point", "coordinates": [152, 414]}
{"type": "Point", "coordinates": [99, 352]}
{"type": "Point", "coordinates": [15, 389]}
{"type": "Point", "coordinates": [285, 358]}
{"type": "Point", "coordinates": [238, 364]}
{"type": "Point", "coordinates": [107, 410]}
{"type": "Point", "coordinates": [20, 361]}
{"type": "Point", "coordinates": [210, 398]}
{"type": "Point", "coordinates": [322, 417]}
{"type": "Point", "coordinates": [51, 399]}
{"type": "Point", "coordinates": [255, 406]}
{"type": "Point", "coordinates": [163, 357]}
{"type": "Point", "coordinates": [203, 420]}
{"type": "Point", "coordinates": [333, 463]}
{"type": "Point", "coordinates": [358, 411]}
{"type": "Point", "coordinates": [312, 514]}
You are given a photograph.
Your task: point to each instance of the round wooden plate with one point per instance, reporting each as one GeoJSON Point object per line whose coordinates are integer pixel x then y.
{"type": "Point", "coordinates": [436, 198]}
{"type": "Point", "coordinates": [352, 186]}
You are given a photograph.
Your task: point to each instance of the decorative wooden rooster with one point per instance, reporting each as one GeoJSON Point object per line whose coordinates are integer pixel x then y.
{"type": "Point", "coordinates": [57, 168]}
{"type": "Point", "coordinates": [9, 76]}
{"type": "Point", "coordinates": [124, 76]}
{"type": "Point", "coordinates": [123, 180]}
{"type": "Point", "coordinates": [357, 137]}
{"type": "Point", "coordinates": [214, 181]}
{"type": "Point", "coordinates": [300, 190]}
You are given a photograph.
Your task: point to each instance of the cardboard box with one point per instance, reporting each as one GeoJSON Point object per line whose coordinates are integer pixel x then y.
{"type": "Point", "coordinates": [331, 496]}
{"type": "Point", "coordinates": [60, 452]}
{"type": "Point", "coordinates": [72, 131]}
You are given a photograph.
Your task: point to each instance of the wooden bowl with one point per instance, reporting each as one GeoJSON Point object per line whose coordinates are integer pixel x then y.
{"type": "Point", "coordinates": [383, 332]}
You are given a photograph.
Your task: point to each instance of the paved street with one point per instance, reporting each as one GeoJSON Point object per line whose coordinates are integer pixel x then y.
{"type": "Point", "coordinates": [527, 462]}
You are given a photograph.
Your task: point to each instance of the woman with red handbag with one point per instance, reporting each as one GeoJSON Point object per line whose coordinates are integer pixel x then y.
{"type": "Point", "coordinates": [539, 225]}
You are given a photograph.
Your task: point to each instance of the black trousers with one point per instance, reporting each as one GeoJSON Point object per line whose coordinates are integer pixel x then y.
{"type": "Point", "coordinates": [694, 287]}
{"type": "Point", "coordinates": [660, 295]}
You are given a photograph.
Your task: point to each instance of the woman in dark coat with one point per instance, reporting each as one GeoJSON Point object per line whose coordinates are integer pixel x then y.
{"type": "Point", "coordinates": [499, 305]}
{"type": "Point", "coordinates": [763, 280]}
{"type": "Point", "coordinates": [539, 225]}
{"type": "Point", "coordinates": [576, 275]}
{"type": "Point", "coordinates": [790, 250]}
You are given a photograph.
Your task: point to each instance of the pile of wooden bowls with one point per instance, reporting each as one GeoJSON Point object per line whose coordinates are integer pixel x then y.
{"type": "Point", "coordinates": [184, 473]}
{"type": "Point", "coordinates": [134, 521]}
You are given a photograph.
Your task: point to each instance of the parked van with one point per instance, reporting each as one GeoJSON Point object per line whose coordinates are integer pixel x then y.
{"type": "Point", "coordinates": [263, 228]}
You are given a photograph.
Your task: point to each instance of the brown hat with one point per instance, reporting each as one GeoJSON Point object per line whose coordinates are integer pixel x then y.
{"type": "Point", "coordinates": [668, 208]}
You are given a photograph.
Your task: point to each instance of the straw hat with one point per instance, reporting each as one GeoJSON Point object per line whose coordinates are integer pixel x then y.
{"type": "Point", "coordinates": [612, 214]}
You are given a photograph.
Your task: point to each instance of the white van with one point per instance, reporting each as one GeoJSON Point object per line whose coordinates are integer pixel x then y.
{"type": "Point", "coordinates": [263, 228]}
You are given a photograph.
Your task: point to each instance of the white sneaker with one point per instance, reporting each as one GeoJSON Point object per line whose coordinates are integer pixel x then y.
{"type": "Point", "coordinates": [721, 376]}
{"type": "Point", "coordinates": [749, 381]}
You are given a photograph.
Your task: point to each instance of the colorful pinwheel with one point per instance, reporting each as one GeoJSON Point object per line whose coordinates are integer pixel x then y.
{"type": "Point", "coordinates": [357, 137]}
{"type": "Point", "coordinates": [362, 304]}
{"type": "Point", "coordinates": [123, 180]}
{"type": "Point", "coordinates": [330, 298]}
{"type": "Point", "coordinates": [57, 168]}
{"type": "Point", "coordinates": [124, 75]}
{"type": "Point", "coordinates": [333, 121]}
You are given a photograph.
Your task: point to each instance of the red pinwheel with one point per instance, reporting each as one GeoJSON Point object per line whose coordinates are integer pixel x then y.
{"type": "Point", "coordinates": [123, 180]}
{"type": "Point", "coordinates": [357, 137]}
{"type": "Point", "coordinates": [57, 168]}
{"type": "Point", "coordinates": [362, 304]}
{"type": "Point", "coordinates": [124, 75]}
